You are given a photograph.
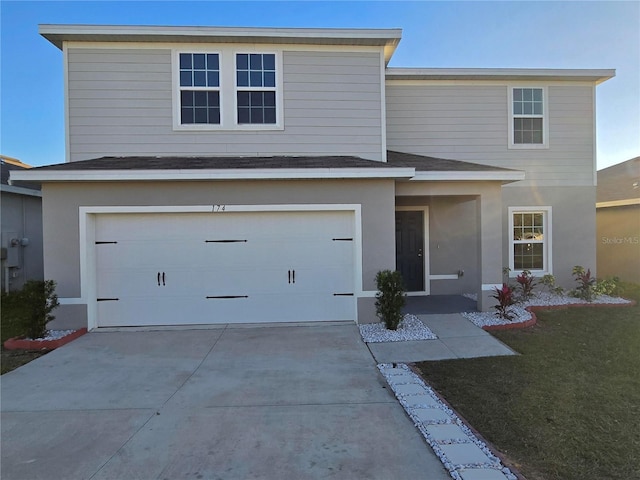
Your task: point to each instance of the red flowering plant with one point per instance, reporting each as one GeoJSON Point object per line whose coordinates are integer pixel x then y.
{"type": "Point", "coordinates": [525, 285]}
{"type": "Point", "coordinates": [505, 299]}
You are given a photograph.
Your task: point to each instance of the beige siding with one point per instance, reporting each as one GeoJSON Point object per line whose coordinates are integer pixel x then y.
{"type": "Point", "coordinates": [471, 123]}
{"type": "Point", "coordinates": [120, 103]}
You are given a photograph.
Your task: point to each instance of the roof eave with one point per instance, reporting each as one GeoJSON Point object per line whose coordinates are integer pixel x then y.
{"type": "Point", "coordinates": [210, 174]}
{"type": "Point", "coordinates": [58, 34]}
{"type": "Point", "coordinates": [507, 176]}
{"type": "Point", "coordinates": [513, 74]}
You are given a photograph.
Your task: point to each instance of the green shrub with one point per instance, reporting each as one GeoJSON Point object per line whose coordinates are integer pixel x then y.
{"type": "Point", "coordinates": [390, 298]}
{"type": "Point", "coordinates": [549, 281]}
{"type": "Point", "coordinates": [27, 311]}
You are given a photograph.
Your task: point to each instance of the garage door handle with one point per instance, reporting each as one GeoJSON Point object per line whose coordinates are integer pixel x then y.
{"type": "Point", "coordinates": [158, 278]}
{"type": "Point", "coordinates": [163, 284]}
{"type": "Point", "coordinates": [294, 276]}
{"type": "Point", "coordinates": [289, 275]}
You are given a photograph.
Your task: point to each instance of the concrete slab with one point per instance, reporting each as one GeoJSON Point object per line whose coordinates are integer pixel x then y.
{"type": "Point", "coordinates": [472, 347]}
{"type": "Point", "coordinates": [410, 352]}
{"type": "Point", "coordinates": [108, 370]}
{"type": "Point", "coordinates": [451, 325]}
{"type": "Point", "coordinates": [303, 441]}
{"type": "Point", "coordinates": [287, 402]}
{"type": "Point", "coordinates": [430, 415]}
{"type": "Point", "coordinates": [481, 474]}
{"type": "Point", "coordinates": [64, 445]}
{"type": "Point", "coordinates": [446, 432]}
{"type": "Point", "coordinates": [464, 453]}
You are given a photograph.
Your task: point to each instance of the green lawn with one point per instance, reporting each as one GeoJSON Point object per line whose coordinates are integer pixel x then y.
{"type": "Point", "coordinates": [569, 406]}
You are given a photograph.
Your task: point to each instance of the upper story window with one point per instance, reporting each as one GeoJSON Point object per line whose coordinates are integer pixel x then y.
{"type": "Point", "coordinates": [199, 88]}
{"type": "Point", "coordinates": [528, 118]}
{"type": "Point", "coordinates": [232, 88]}
{"type": "Point", "coordinates": [256, 88]}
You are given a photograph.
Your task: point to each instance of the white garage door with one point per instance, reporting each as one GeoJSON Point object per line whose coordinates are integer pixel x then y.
{"type": "Point", "coordinates": [178, 269]}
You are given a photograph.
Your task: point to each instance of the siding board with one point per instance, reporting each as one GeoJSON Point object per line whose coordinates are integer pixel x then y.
{"type": "Point", "coordinates": [120, 103]}
{"type": "Point", "coordinates": [471, 123]}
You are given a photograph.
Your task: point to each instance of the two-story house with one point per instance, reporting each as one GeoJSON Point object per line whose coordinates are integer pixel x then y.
{"type": "Point", "coordinates": [220, 175]}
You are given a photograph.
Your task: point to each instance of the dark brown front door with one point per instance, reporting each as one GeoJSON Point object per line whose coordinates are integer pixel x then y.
{"type": "Point", "coordinates": [410, 249]}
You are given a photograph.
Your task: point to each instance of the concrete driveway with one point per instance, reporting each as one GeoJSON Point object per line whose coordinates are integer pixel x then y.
{"type": "Point", "coordinates": [266, 402]}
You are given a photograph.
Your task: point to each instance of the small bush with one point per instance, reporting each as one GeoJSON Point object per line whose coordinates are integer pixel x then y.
{"type": "Point", "coordinates": [505, 299]}
{"type": "Point", "coordinates": [27, 311]}
{"type": "Point", "coordinates": [586, 283]}
{"type": "Point", "coordinates": [608, 286]}
{"type": "Point", "coordinates": [390, 298]}
{"type": "Point", "coordinates": [549, 281]}
{"type": "Point", "coordinates": [525, 285]}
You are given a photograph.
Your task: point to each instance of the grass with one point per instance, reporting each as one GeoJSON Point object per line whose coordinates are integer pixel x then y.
{"type": "Point", "coordinates": [568, 407]}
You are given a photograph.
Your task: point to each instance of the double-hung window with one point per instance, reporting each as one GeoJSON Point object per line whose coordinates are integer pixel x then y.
{"type": "Point", "coordinates": [530, 239]}
{"type": "Point", "coordinates": [528, 117]}
{"type": "Point", "coordinates": [256, 88]}
{"type": "Point", "coordinates": [199, 88]}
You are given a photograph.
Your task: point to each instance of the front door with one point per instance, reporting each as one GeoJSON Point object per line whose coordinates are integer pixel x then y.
{"type": "Point", "coordinates": [410, 249]}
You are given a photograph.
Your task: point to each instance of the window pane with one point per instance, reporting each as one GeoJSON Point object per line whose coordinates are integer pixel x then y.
{"type": "Point", "coordinates": [185, 79]}
{"type": "Point", "coordinates": [199, 78]}
{"type": "Point", "coordinates": [537, 109]}
{"type": "Point", "coordinates": [269, 79]}
{"type": "Point", "coordinates": [185, 60]}
{"type": "Point", "coordinates": [269, 115]}
{"type": "Point", "coordinates": [256, 98]}
{"type": "Point", "coordinates": [517, 94]}
{"type": "Point", "coordinates": [527, 108]}
{"type": "Point", "coordinates": [269, 61]}
{"type": "Point", "coordinates": [200, 98]}
{"type": "Point", "coordinates": [213, 79]}
{"type": "Point", "coordinates": [269, 99]}
{"type": "Point", "coordinates": [186, 98]}
{"type": "Point", "coordinates": [527, 94]}
{"type": "Point", "coordinates": [198, 61]}
{"type": "Point", "coordinates": [517, 108]}
{"type": "Point", "coordinates": [256, 61]}
{"type": "Point", "coordinates": [537, 137]}
{"type": "Point", "coordinates": [214, 115]}
{"type": "Point", "coordinates": [243, 115]}
{"type": "Point", "coordinates": [242, 61]}
{"type": "Point", "coordinates": [242, 79]}
{"type": "Point", "coordinates": [186, 115]}
{"type": "Point", "coordinates": [212, 61]}
{"type": "Point", "coordinates": [537, 94]}
{"type": "Point", "coordinates": [255, 79]}
{"type": "Point", "coordinates": [256, 115]}
{"type": "Point", "coordinates": [200, 115]}
{"type": "Point", "coordinates": [213, 99]}
{"type": "Point", "coordinates": [243, 99]}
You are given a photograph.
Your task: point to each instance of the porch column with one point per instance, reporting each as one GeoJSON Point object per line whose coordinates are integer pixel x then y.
{"type": "Point", "coordinates": [489, 225]}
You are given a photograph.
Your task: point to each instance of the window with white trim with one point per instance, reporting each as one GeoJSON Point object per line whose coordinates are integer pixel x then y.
{"type": "Point", "coordinates": [199, 88]}
{"type": "Point", "coordinates": [256, 88]}
{"type": "Point", "coordinates": [528, 117]}
{"type": "Point", "coordinates": [530, 239]}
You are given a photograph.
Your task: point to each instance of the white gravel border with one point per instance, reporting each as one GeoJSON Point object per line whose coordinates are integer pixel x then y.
{"type": "Point", "coordinates": [52, 335]}
{"type": "Point", "coordinates": [400, 374]}
{"type": "Point", "coordinates": [540, 299]}
{"type": "Point", "coordinates": [410, 328]}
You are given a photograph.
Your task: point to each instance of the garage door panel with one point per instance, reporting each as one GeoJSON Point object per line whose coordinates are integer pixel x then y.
{"type": "Point", "coordinates": [225, 267]}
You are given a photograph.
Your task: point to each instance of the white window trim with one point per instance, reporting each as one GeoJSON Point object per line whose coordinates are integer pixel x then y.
{"type": "Point", "coordinates": [547, 242]}
{"type": "Point", "coordinates": [277, 90]}
{"type": "Point", "coordinates": [545, 119]}
{"type": "Point", "coordinates": [227, 89]}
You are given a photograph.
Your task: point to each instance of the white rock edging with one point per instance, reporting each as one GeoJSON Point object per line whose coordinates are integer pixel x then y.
{"type": "Point", "coordinates": [425, 409]}
{"type": "Point", "coordinates": [540, 299]}
{"type": "Point", "coordinates": [410, 328]}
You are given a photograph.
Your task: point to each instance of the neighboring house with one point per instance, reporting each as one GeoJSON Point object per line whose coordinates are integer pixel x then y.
{"type": "Point", "coordinates": [618, 221]}
{"type": "Point", "coordinates": [21, 236]}
{"type": "Point", "coordinates": [222, 175]}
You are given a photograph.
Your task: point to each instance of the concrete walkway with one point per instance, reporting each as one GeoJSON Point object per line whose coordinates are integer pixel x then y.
{"type": "Point", "coordinates": [457, 338]}
{"type": "Point", "coordinates": [224, 403]}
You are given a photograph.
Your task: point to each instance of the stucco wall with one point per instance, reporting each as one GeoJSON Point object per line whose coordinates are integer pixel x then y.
{"type": "Point", "coordinates": [62, 202]}
{"type": "Point", "coordinates": [618, 242]}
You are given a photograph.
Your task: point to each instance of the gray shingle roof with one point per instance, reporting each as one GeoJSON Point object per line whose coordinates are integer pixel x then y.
{"type": "Point", "coordinates": [617, 182]}
{"type": "Point", "coordinates": [395, 160]}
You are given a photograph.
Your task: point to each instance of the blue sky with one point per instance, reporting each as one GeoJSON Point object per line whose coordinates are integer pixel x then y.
{"type": "Point", "coordinates": [536, 34]}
